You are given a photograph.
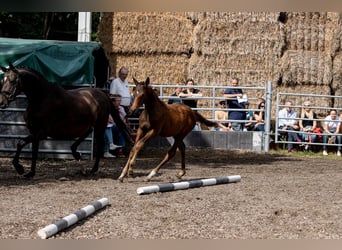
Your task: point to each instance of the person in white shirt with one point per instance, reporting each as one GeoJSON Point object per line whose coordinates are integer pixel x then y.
{"type": "Point", "coordinates": [120, 87]}
{"type": "Point", "coordinates": [287, 122]}
{"type": "Point", "coordinates": [330, 130]}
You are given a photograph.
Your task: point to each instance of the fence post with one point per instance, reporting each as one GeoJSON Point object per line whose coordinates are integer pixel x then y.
{"type": "Point", "coordinates": [268, 117]}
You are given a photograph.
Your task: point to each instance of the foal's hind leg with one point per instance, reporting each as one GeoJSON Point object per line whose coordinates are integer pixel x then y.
{"type": "Point", "coordinates": [181, 147]}
{"type": "Point", "coordinates": [22, 143]}
{"type": "Point", "coordinates": [169, 155]}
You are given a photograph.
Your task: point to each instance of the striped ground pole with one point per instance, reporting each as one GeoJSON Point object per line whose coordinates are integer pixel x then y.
{"type": "Point", "coordinates": [166, 187]}
{"type": "Point", "coordinates": [71, 219]}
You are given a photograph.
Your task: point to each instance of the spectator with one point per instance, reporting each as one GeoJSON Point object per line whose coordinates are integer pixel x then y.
{"type": "Point", "coordinates": [109, 143]}
{"type": "Point", "coordinates": [222, 117]}
{"type": "Point", "coordinates": [233, 95]}
{"type": "Point", "coordinates": [331, 128]}
{"type": "Point", "coordinates": [190, 97]}
{"type": "Point", "coordinates": [307, 125]}
{"type": "Point", "coordinates": [190, 94]}
{"type": "Point", "coordinates": [120, 86]}
{"type": "Point", "coordinates": [250, 121]}
{"type": "Point", "coordinates": [175, 96]}
{"type": "Point", "coordinates": [259, 117]}
{"type": "Point", "coordinates": [288, 125]}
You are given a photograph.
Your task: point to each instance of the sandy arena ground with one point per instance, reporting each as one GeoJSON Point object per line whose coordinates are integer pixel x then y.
{"type": "Point", "coordinates": [279, 197]}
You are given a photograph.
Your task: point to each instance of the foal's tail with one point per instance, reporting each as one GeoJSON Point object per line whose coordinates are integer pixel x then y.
{"type": "Point", "coordinates": [201, 119]}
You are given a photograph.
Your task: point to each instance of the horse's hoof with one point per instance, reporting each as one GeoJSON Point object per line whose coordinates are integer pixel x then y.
{"type": "Point", "coordinates": [180, 175]}
{"type": "Point", "coordinates": [120, 179]}
{"type": "Point", "coordinates": [29, 175]}
{"type": "Point", "coordinates": [77, 156]}
{"type": "Point", "coordinates": [19, 168]}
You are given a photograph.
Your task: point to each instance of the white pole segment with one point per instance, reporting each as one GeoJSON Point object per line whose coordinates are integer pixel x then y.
{"type": "Point", "coordinates": [71, 219]}
{"type": "Point", "coordinates": [165, 187]}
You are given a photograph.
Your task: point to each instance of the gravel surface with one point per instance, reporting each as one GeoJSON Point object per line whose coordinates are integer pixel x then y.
{"type": "Point", "coordinates": [279, 197]}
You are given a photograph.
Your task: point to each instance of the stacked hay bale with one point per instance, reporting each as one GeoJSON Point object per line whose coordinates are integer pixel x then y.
{"type": "Point", "coordinates": [298, 52]}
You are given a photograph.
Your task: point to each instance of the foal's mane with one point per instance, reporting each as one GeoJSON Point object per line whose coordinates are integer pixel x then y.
{"type": "Point", "coordinates": [151, 90]}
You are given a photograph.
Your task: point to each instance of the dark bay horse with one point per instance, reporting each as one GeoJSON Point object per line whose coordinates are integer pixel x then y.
{"type": "Point", "coordinates": [159, 118]}
{"type": "Point", "coordinates": [55, 112]}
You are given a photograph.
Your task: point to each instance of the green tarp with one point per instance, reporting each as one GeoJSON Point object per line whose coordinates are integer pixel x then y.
{"type": "Point", "coordinates": [61, 62]}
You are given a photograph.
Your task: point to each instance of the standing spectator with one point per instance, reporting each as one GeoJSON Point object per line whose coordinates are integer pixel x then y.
{"type": "Point", "coordinates": [118, 136]}
{"type": "Point", "coordinates": [120, 86]}
{"type": "Point", "coordinates": [189, 97]}
{"type": "Point", "coordinates": [259, 117]}
{"type": "Point", "coordinates": [232, 95]}
{"type": "Point", "coordinates": [288, 124]}
{"type": "Point", "coordinates": [175, 96]}
{"type": "Point", "coordinates": [307, 124]}
{"type": "Point", "coordinates": [190, 94]}
{"type": "Point", "coordinates": [331, 129]}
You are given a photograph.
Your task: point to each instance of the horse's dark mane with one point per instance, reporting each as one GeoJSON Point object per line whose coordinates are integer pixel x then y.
{"type": "Point", "coordinates": [33, 71]}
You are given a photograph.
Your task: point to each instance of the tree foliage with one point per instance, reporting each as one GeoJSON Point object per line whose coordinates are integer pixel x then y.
{"type": "Point", "coordinates": [44, 25]}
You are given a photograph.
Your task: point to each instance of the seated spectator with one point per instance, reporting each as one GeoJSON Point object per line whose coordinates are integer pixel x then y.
{"type": "Point", "coordinates": [288, 125]}
{"type": "Point", "coordinates": [116, 134]}
{"type": "Point", "coordinates": [307, 125]}
{"type": "Point", "coordinates": [176, 98]}
{"type": "Point", "coordinates": [259, 117]}
{"type": "Point", "coordinates": [250, 122]}
{"type": "Point", "coordinates": [109, 143]}
{"type": "Point", "coordinates": [331, 129]}
{"type": "Point", "coordinates": [222, 117]}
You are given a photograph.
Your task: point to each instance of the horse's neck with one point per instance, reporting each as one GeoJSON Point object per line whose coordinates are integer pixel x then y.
{"type": "Point", "coordinates": [34, 87]}
{"type": "Point", "coordinates": [155, 108]}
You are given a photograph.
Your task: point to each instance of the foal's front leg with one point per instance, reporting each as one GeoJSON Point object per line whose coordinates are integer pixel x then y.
{"type": "Point", "coordinates": [22, 143]}
{"type": "Point", "coordinates": [139, 143]}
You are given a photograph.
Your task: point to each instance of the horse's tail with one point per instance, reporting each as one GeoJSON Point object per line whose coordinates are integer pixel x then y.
{"type": "Point", "coordinates": [201, 119]}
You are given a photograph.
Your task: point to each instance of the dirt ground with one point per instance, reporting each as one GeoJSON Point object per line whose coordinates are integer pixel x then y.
{"type": "Point", "coordinates": [279, 196]}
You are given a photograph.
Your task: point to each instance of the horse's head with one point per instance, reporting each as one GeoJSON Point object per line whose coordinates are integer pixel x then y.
{"type": "Point", "coordinates": [9, 85]}
{"type": "Point", "coordinates": [143, 92]}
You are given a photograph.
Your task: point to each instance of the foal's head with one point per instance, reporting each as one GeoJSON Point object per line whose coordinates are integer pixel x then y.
{"type": "Point", "coordinates": [9, 85]}
{"type": "Point", "coordinates": [146, 95]}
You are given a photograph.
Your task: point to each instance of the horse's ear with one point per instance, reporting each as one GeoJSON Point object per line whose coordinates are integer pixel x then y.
{"type": "Point", "coordinates": [11, 66]}
{"type": "Point", "coordinates": [147, 82]}
{"type": "Point", "coordinates": [135, 81]}
{"type": "Point", "coordinates": [3, 69]}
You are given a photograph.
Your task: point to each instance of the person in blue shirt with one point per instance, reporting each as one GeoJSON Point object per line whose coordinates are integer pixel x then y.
{"type": "Point", "coordinates": [237, 117]}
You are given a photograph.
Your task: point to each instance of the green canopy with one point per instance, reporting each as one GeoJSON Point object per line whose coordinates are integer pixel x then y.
{"type": "Point", "coordinates": [62, 62]}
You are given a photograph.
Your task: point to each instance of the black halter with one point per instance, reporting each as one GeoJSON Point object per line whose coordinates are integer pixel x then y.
{"type": "Point", "coordinates": [10, 95]}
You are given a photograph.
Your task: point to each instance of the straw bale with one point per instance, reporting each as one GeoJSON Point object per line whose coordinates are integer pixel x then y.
{"type": "Point", "coordinates": [306, 30]}
{"type": "Point", "coordinates": [161, 68]}
{"type": "Point", "coordinates": [221, 33]}
{"type": "Point", "coordinates": [305, 67]}
{"type": "Point", "coordinates": [337, 78]}
{"type": "Point", "coordinates": [151, 32]}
